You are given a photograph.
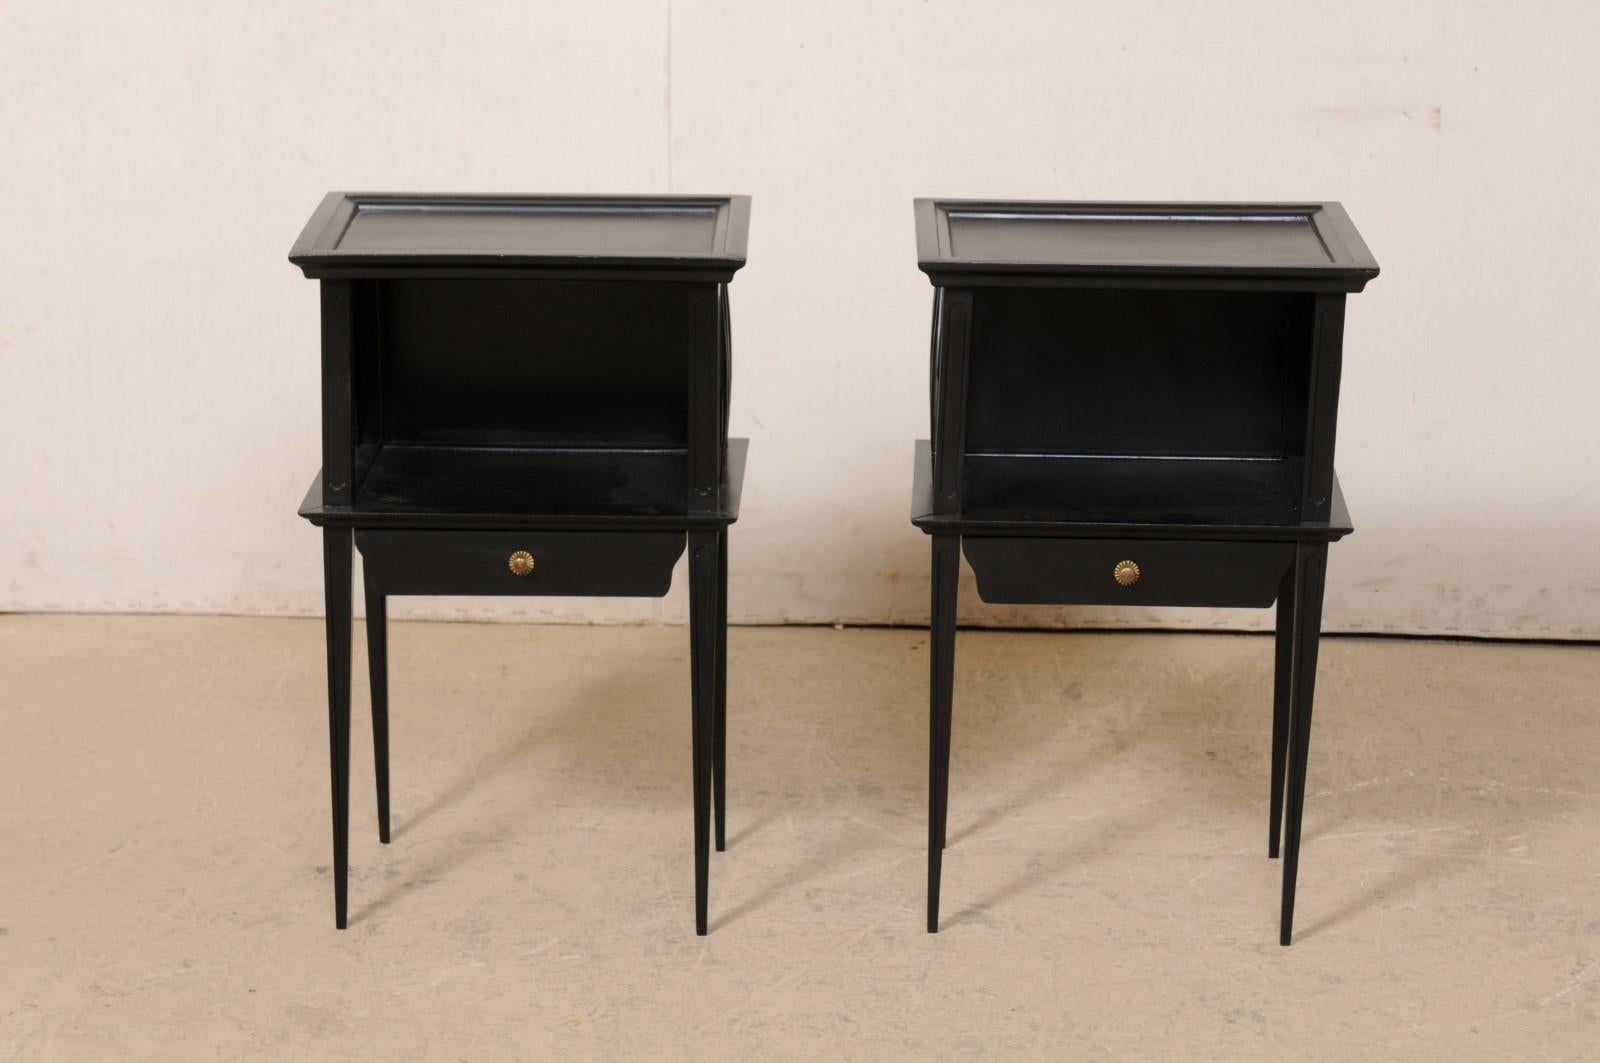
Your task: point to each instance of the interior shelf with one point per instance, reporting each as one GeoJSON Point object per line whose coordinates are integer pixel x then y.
{"type": "Point", "coordinates": [1149, 490]}
{"type": "Point", "coordinates": [409, 485]}
{"type": "Point", "coordinates": [1196, 497]}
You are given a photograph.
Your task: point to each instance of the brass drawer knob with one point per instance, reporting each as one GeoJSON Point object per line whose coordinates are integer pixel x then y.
{"type": "Point", "coordinates": [1126, 573]}
{"type": "Point", "coordinates": [521, 563]}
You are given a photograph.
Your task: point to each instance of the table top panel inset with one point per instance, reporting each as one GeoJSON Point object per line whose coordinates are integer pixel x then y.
{"type": "Point", "coordinates": [384, 231]}
{"type": "Point", "coordinates": [1312, 242]}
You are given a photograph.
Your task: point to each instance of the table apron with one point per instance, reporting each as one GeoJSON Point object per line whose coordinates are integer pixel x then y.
{"type": "Point", "coordinates": [634, 564]}
{"type": "Point", "coordinates": [1021, 570]}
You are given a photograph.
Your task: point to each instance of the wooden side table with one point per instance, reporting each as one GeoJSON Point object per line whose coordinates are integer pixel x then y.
{"type": "Point", "coordinates": [525, 395]}
{"type": "Point", "coordinates": [1134, 404]}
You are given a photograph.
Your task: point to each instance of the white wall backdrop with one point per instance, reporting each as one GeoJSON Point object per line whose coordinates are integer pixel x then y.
{"type": "Point", "coordinates": [158, 354]}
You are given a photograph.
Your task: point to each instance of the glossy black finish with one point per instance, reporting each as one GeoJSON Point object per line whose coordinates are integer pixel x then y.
{"type": "Point", "coordinates": [525, 384]}
{"type": "Point", "coordinates": [703, 595]}
{"type": "Point", "coordinates": [719, 719]}
{"type": "Point", "coordinates": [524, 487]}
{"type": "Point", "coordinates": [1282, 692]}
{"type": "Point", "coordinates": [1132, 498]}
{"type": "Point", "coordinates": [590, 563]}
{"type": "Point", "coordinates": [1276, 246]}
{"type": "Point", "coordinates": [941, 680]}
{"type": "Point", "coordinates": [1106, 372]}
{"type": "Point", "coordinates": [1052, 571]}
{"type": "Point", "coordinates": [367, 234]}
{"type": "Point", "coordinates": [539, 375]}
{"type": "Point", "coordinates": [378, 676]}
{"type": "Point", "coordinates": [1154, 383]}
{"type": "Point", "coordinates": [336, 566]}
{"type": "Point", "coordinates": [1310, 571]}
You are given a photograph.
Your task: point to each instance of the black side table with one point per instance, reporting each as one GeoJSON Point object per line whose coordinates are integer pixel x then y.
{"type": "Point", "coordinates": [525, 395]}
{"type": "Point", "coordinates": [1134, 404]}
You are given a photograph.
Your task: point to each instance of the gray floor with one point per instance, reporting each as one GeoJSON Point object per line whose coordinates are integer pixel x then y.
{"type": "Point", "coordinates": [164, 890]}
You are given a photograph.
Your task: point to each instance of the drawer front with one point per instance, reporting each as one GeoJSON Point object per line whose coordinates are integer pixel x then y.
{"type": "Point", "coordinates": [606, 564]}
{"type": "Point", "coordinates": [1027, 571]}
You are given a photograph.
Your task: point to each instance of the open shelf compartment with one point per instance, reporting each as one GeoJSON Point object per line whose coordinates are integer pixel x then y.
{"type": "Point", "coordinates": [1079, 495]}
{"type": "Point", "coordinates": [410, 486]}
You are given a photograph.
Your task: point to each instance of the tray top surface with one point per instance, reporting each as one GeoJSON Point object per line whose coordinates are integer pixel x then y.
{"type": "Point", "coordinates": [1305, 241]}
{"type": "Point", "coordinates": [353, 230]}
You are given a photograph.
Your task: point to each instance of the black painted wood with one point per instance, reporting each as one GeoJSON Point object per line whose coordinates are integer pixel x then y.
{"type": "Point", "coordinates": [1107, 372]}
{"type": "Point", "coordinates": [336, 574]}
{"type": "Point", "coordinates": [387, 234]}
{"type": "Point", "coordinates": [378, 681]}
{"type": "Point", "coordinates": [1215, 246]}
{"type": "Point", "coordinates": [522, 386]}
{"type": "Point", "coordinates": [1310, 572]}
{"type": "Point", "coordinates": [1154, 383]}
{"type": "Point", "coordinates": [706, 419]}
{"type": "Point", "coordinates": [703, 597]}
{"type": "Point", "coordinates": [1327, 346]}
{"type": "Point", "coordinates": [941, 685]}
{"type": "Point", "coordinates": [470, 487]}
{"type": "Point", "coordinates": [1131, 498]}
{"type": "Point", "coordinates": [1282, 692]}
{"type": "Point", "coordinates": [338, 398]}
{"type": "Point", "coordinates": [719, 723]}
{"type": "Point", "coordinates": [590, 563]}
{"type": "Point", "coordinates": [1053, 571]}
{"type": "Point", "coordinates": [525, 395]}
{"type": "Point", "coordinates": [952, 337]}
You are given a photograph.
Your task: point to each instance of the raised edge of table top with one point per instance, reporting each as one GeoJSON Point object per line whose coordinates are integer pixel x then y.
{"type": "Point", "coordinates": [1292, 244]}
{"type": "Point", "coordinates": [371, 233]}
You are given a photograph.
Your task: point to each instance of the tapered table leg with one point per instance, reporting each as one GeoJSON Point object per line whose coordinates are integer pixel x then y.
{"type": "Point", "coordinates": [941, 676]}
{"type": "Point", "coordinates": [702, 671]}
{"type": "Point", "coordinates": [1310, 572]}
{"type": "Point", "coordinates": [336, 563]}
{"type": "Point", "coordinates": [378, 673]}
{"type": "Point", "coordinates": [1282, 693]}
{"type": "Point", "coordinates": [719, 723]}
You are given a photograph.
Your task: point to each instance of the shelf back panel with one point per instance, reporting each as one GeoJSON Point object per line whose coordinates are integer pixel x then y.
{"type": "Point", "coordinates": [502, 362]}
{"type": "Point", "coordinates": [1137, 372]}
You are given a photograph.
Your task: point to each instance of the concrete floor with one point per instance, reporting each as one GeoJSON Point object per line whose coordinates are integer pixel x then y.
{"type": "Point", "coordinates": [164, 890]}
